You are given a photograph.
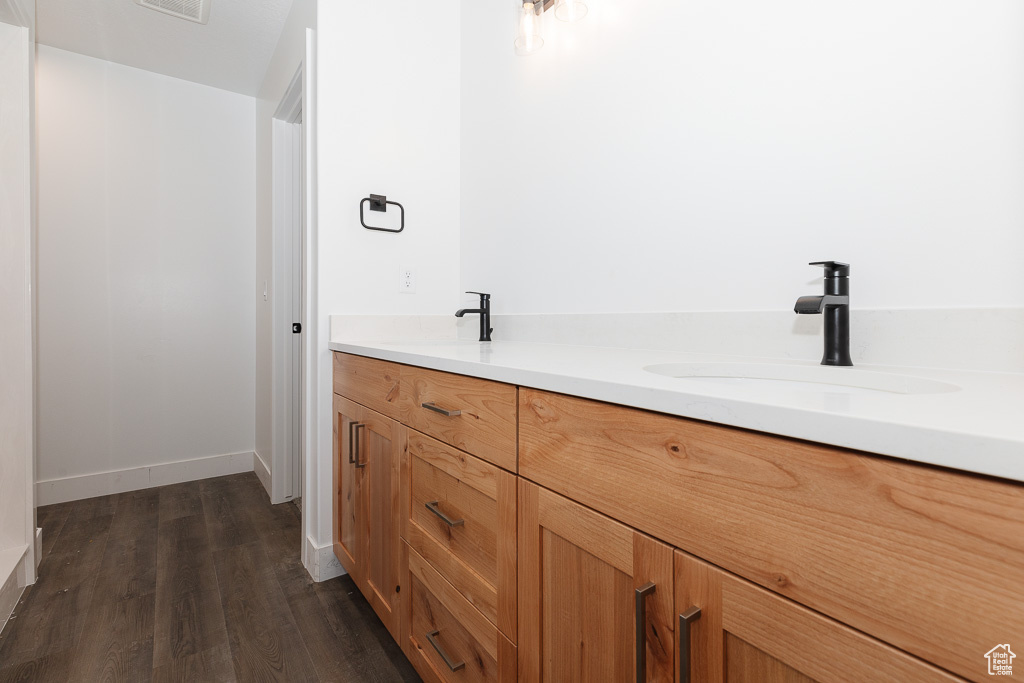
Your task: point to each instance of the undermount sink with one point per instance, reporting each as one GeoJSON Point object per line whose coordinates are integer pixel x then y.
{"type": "Point", "coordinates": [816, 378]}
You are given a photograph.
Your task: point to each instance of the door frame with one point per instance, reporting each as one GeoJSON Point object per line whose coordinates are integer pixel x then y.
{"type": "Point", "coordinates": [291, 234]}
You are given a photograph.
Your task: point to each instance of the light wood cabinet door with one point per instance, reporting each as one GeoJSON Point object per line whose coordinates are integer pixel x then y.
{"type": "Point", "coordinates": [347, 482]}
{"type": "Point", "coordinates": [746, 634]}
{"type": "Point", "coordinates": [595, 596]}
{"type": "Point", "coordinates": [893, 549]}
{"type": "Point", "coordinates": [378, 453]}
{"type": "Point", "coordinates": [368, 456]}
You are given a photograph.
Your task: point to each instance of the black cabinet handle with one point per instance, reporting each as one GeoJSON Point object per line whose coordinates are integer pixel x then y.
{"type": "Point", "coordinates": [432, 506]}
{"type": "Point", "coordinates": [353, 456]}
{"type": "Point", "coordinates": [351, 442]}
{"type": "Point", "coordinates": [641, 630]}
{"type": "Point", "coordinates": [685, 619]}
{"type": "Point", "coordinates": [437, 409]}
{"type": "Point", "coordinates": [454, 666]}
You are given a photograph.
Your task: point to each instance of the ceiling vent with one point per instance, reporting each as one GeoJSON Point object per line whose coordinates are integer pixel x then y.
{"type": "Point", "coordinates": [192, 10]}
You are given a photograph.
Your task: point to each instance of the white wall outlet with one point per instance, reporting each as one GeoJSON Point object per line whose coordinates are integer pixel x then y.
{"type": "Point", "coordinates": [406, 281]}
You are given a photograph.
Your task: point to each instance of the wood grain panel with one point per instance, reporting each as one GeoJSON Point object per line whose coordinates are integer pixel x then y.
{"type": "Point", "coordinates": [373, 383]}
{"type": "Point", "coordinates": [486, 426]}
{"type": "Point", "coordinates": [347, 482]}
{"type": "Point", "coordinates": [579, 572]}
{"type": "Point", "coordinates": [747, 664]}
{"type": "Point", "coordinates": [380, 447]}
{"type": "Point", "coordinates": [478, 556]}
{"type": "Point", "coordinates": [465, 635]}
{"type": "Point", "coordinates": [892, 548]}
{"type": "Point", "coordinates": [749, 634]}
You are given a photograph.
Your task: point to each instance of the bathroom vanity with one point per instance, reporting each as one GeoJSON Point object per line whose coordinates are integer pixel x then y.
{"type": "Point", "coordinates": [508, 522]}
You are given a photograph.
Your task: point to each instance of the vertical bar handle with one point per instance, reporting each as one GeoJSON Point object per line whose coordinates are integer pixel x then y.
{"type": "Point", "coordinates": [641, 630]}
{"type": "Point", "coordinates": [685, 619]}
{"type": "Point", "coordinates": [454, 666]}
{"type": "Point", "coordinates": [351, 442]}
{"type": "Point", "coordinates": [354, 442]}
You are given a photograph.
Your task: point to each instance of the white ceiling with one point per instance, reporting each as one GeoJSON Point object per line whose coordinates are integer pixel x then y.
{"type": "Point", "coordinates": [231, 52]}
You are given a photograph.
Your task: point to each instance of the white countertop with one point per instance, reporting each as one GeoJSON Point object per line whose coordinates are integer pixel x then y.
{"type": "Point", "coordinates": [978, 428]}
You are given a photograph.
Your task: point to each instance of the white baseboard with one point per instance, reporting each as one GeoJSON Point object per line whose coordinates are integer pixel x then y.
{"type": "Point", "coordinates": [136, 478]}
{"type": "Point", "coordinates": [12, 583]}
{"type": "Point", "coordinates": [262, 472]}
{"type": "Point", "coordinates": [321, 562]}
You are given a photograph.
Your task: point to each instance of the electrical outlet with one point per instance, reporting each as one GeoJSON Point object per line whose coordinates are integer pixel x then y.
{"type": "Point", "coordinates": [406, 281]}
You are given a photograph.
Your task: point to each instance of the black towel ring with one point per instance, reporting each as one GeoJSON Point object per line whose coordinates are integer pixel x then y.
{"type": "Point", "coordinates": [379, 202]}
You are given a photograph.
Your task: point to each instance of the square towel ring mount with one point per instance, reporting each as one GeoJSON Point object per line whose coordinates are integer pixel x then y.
{"type": "Point", "coordinates": [379, 202]}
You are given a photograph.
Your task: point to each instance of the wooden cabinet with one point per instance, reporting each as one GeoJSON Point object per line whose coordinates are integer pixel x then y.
{"type": "Point", "coordinates": [459, 514]}
{"type": "Point", "coordinates": [746, 634]}
{"type": "Point", "coordinates": [807, 562]}
{"type": "Point", "coordinates": [595, 596]}
{"type": "Point", "coordinates": [891, 548]}
{"type": "Point", "coordinates": [448, 593]}
{"type": "Point", "coordinates": [367, 461]}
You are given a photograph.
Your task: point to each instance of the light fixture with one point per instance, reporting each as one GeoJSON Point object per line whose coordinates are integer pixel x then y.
{"type": "Point", "coordinates": [529, 17]}
{"type": "Point", "coordinates": [528, 35]}
{"type": "Point", "coordinates": [570, 10]}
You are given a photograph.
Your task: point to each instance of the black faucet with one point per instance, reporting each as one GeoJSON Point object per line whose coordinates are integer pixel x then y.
{"type": "Point", "coordinates": [485, 315]}
{"type": "Point", "coordinates": [835, 304]}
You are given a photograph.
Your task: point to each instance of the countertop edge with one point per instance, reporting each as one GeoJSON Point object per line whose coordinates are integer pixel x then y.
{"type": "Point", "coordinates": [1001, 458]}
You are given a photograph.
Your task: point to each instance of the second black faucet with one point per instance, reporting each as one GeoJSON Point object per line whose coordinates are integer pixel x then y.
{"type": "Point", "coordinates": [835, 306]}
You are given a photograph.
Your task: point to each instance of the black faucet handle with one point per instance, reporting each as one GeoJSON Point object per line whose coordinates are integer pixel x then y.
{"type": "Point", "coordinates": [483, 296]}
{"type": "Point", "coordinates": [833, 268]}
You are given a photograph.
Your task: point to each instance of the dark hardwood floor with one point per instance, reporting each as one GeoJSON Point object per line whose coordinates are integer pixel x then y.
{"type": "Point", "coordinates": [192, 582]}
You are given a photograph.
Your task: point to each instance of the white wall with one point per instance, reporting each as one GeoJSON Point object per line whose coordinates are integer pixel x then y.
{"type": "Point", "coordinates": [388, 123]}
{"type": "Point", "coordinates": [146, 269]}
{"type": "Point", "coordinates": [689, 156]}
{"type": "Point", "coordinates": [15, 279]}
{"type": "Point", "coordinates": [283, 65]}
{"type": "Point", "coordinates": [17, 514]}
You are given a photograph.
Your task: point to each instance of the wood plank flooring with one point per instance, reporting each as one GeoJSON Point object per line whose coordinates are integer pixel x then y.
{"type": "Point", "coordinates": [192, 582]}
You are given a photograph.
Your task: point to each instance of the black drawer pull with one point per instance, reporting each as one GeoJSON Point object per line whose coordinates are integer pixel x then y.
{"type": "Point", "coordinates": [454, 666]}
{"type": "Point", "coordinates": [353, 455]}
{"type": "Point", "coordinates": [432, 506]}
{"type": "Point", "coordinates": [437, 409]}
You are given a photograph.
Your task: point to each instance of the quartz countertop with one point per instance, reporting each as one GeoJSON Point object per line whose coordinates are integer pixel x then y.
{"type": "Point", "coordinates": [977, 428]}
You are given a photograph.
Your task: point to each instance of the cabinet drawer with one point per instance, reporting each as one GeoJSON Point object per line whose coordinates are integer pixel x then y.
{"type": "Point", "coordinates": [368, 381]}
{"type": "Point", "coordinates": [481, 415]}
{"type": "Point", "coordinates": [459, 514]}
{"type": "Point", "coordinates": [445, 637]}
{"type": "Point", "coordinates": [928, 560]}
